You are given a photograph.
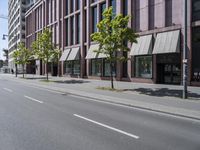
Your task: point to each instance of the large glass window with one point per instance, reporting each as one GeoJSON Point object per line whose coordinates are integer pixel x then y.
{"type": "Point", "coordinates": [196, 53]}
{"type": "Point", "coordinates": [94, 1]}
{"type": "Point", "coordinates": [67, 8]}
{"type": "Point", "coordinates": [67, 32]}
{"type": "Point", "coordinates": [143, 66]}
{"type": "Point", "coordinates": [113, 4]}
{"type": "Point", "coordinates": [72, 5]}
{"type": "Point", "coordinates": [106, 69]}
{"type": "Point", "coordinates": [72, 30]}
{"type": "Point", "coordinates": [76, 67]}
{"type": "Point", "coordinates": [125, 7]}
{"type": "Point", "coordinates": [195, 10]}
{"type": "Point", "coordinates": [103, 7]}
{"type": "Point", "coordinates": [77, 4]}
{"type": "Point", "coordinates": [72, 67]}
{"type": "Point", "coordinates": [96, 67]}
{"type": "Point", "coordinates": [78, 29]}
{"type": "Point", "coordinates": [94, 19]}
{"type": "Point", "coordinates": [101, 67]}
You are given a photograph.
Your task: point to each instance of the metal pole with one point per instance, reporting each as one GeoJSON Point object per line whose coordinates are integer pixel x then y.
{"type": "Point", "coordinates": [185, 49]}
{"type": "Point", "coordinates": [16, 70]}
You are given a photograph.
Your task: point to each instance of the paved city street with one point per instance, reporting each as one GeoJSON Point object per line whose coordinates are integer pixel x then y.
{"type": "Point", "coordinates": [41, 119]}
{"type": "Point", "coordinates": [100, 75]}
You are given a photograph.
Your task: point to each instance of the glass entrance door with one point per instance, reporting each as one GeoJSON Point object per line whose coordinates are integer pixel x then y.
{"type": "Point", "coordinates": [172, 74]}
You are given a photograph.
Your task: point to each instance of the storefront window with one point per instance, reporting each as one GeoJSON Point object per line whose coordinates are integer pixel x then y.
{"type": "Point", "coordinates": [106, 69]}
{"type": "Point", "coordinates": [196, 54]}
{"type": "Point", "coordinates": [68, 68]}
{"type": "Point", "coordinates": [72, 67]}
{"type": "Point", "coordinates": [76, 67]}
{"type": "Point", "coordinates": [143, 66]}
{"type": "Point", "coordinates": [96, 67]}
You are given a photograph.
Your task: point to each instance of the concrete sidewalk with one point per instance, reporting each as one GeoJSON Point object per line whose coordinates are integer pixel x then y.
{"type": "Point", "coordinates": [160, 98]}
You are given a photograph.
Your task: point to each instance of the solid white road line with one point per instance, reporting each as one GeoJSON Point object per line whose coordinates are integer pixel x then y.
{"type": "Point", "coordinates": [33, 99]}
{"type": "Point", "coordinates": [108, 127]}
{"type": "Point", "coordinates": [8, 90]}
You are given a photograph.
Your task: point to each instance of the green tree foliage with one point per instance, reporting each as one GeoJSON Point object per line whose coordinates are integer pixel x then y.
{"type": "Point", "coordinates": [44, 49]}
{"type": "Point", "coordinates": [22, 56]}
{"type": "Point", "coordinates": [5, 54]}
{"type": "Point", "coordinates": [112, 37]}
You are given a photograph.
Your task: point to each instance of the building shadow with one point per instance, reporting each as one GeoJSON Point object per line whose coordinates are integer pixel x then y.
{"type": "Point", "coordinates": [164, 92]}
{"type": "Point", "coordinates": [72, 81]}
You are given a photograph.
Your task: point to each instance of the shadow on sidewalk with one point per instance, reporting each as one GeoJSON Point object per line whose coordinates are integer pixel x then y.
{"type": "Point", "coordinates": [162, 92]}
{"type": "Point", "coordinates": [72, 81]}
{"type": "Point", "coordinates": [34, 78]}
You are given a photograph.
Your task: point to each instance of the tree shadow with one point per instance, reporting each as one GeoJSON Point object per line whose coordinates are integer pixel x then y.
{"type": "Point", "coordinates": [34, 78]}
{"type": "Point", "coordinates": [72, 82]}
{"type": "Point", "coordinates": [164, 92]}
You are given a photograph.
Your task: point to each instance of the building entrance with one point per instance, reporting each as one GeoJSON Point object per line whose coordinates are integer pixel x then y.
{"type": "Point", "coordinates": [169, 73]}
{"type": "Point", "coordinates": [168, 69]}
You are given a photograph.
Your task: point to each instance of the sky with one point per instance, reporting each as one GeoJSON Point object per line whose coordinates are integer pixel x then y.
{"type": "Point", "coordinates": [3, 26]}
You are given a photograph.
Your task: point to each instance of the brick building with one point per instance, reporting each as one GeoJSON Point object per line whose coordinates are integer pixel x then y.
{"type": "Point", "coordinates": [156, 58]}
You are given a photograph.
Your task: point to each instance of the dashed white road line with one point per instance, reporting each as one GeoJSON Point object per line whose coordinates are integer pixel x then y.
{"type": "Point", "coordinates": [108, 127]}
{"type": "Point", "coordinates": [33, 99]}
{"type": "Point", "coordinates": [8, 90]}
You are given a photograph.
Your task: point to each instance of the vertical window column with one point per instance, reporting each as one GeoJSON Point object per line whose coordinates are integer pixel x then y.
{"type": "Point", "coordinates": [94, 19]}
{"type": "Point", "coordinates": [67, 32]}
{"type": "Point", "coordinates": [102, 8]}
{"type": "Point", "coordinates": [72, 30]}
{"type": "Point", "coordinates": [78, 29]}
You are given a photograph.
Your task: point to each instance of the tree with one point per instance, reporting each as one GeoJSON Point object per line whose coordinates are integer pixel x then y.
{"type": "Point", "coordinates": [6, 56]}
{"type": "Point", "coordinates": [22, 56]}
{"type": "Point", "coordinates": [112, 37]}
{"type": "Point", "coordinates": [16, 56]}
{"type": "Point", "coordinates": [44, 49]}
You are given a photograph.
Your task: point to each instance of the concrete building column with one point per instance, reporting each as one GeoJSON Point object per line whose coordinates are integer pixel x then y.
{"type": "Point", "coordinates": [131, 25]}
{"type": "Point", "coordinates": [189, 40]}
{"type": "Point", "coordinates": [62, 31]}
{"type": "Point", "coordinates": [119, 64]}
{"type": "Point", "coordinates": [82, 40]}
{"type": "Point", "coordinates": [88, 22]}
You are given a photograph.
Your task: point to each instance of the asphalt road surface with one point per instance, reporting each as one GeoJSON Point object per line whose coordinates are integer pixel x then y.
{"type": "Point", "coordinates": [32, 118]}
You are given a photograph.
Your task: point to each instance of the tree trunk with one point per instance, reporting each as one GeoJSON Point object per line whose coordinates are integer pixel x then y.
{"type": "Point", "coordinates": [47, 71]}
{"type": "Point", "coordinates": [111, 75]}
{"type": "Point", "coordinates": [58, 69]}
{"type": "Point", "coordinates": [23, 70]}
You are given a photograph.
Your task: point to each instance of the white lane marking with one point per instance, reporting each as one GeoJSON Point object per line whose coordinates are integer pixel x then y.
{"type": "Point", "coordinates": [8, 90]}
{"type": "Point", "coordinates": [33, 99]}
{"type": "Point", "coordinates": [109, 127]}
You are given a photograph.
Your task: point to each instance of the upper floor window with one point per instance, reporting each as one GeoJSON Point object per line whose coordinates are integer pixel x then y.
{"type": "Point", "coordinates": [195, 10]}
{"type": "Point", "coordinates": [67, 7]}
{"type": "Point", "coordinates": [77, 4]}
{"type": "Point", "coordinates": [103, 7]}
{"type": "Point", "coordinates": [72, 5]}
{"type": "Point", "coordinates": [113, 4]}
{"type": "Point", "coordinates": [94, 1]}
{"type": "Point", "coordinates": [125, 7]}
{"type": "Point", "coordinates": [94, 19]}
